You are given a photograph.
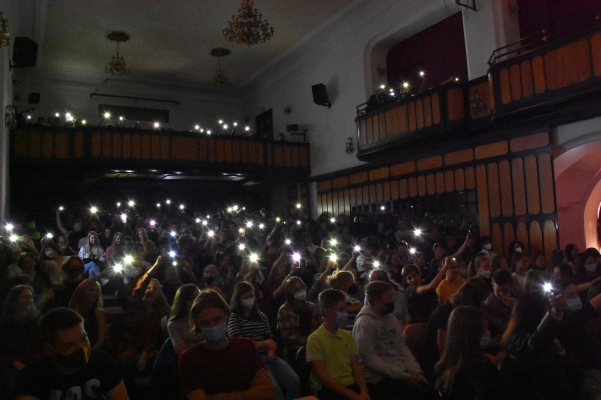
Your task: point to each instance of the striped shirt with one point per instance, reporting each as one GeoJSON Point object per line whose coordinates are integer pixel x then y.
{"type": "Point", "coordinates": [239, 326]}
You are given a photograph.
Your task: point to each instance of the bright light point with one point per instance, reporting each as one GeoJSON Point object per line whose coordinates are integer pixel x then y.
{"type": "Point", "coordinates": [181, 207]}
{"type": "Point", "coordinates": [197, 127]}
{"type": "Point", "coordinates": [198, 220]}
{"type": "Point", "coordinates": [241, 230]}
{"type": "Point", "coordinates": [298, 205]}
{"type": "Point", "coordinates": [235, 124]}
{"type": "Point", "coordinates": [456, 79]}
{"type": "Point", "coordinates": [241, 246]}
{"type": "Point", "coordinates": [209, 132]}
{"type": "Point", "coordinates": [123, 217]}
{"type": "Point", "coordinates": [49, 235]}
{"type": "Point", "coordinates": [128, 259]}
{"type": "Point", "coordinates": [152, 222]}
{"type": "Point", "coordinates": [391, 93]}
{"type": "Point", "coordinates": [121, 118]}
{"type": "Point", "coordinates": [235, 208]}
{"type": "Point", "coordinates": [288, 241]}
{"type": "Point", "coordinates": [357, 248]}
{"type": "Point", "coordinates": [333, 220]}
{"type": "Point", "coordinates": [156, 125]}
{"type": "Point", "coordinates": [412, 250]}
{"type": "Point", "coordinates": [9, 227]}
{"type": "Point", "coordinates": [14, 238]}
{"type": "Point", "coordinates": [57, 115]}
{"type": "Point", "coordinates": [421, 73]}
{"type": "Point", "coordinates": [244, 208]}
{"type": "Point", "coordinates": [405, 85]}
{"type": "Point", "coordinates": [277, 219]}
{"type": "Point", "coordinates": [547, 287]}
{"type": "Point", "coordinates": [376, 264]}
{"type": "Point", "coordinates": [208, 217]}
{"type": "Point", "coordinates": [118, 268]}
{"type": "Point", "coordinates": [383, 208]}
{"type": "Point", "coordinates": [382, 87]}
{"type": "Point", "coordinates": [204, 222]}
{"type": "Point", "coordinates": [172, 254]}
{"type": "Point", "coordinates": [93, 210]}
{"type": "Point", "coordinates": [333, 242]}
{"type": "Point", "coordinates": [158, 205]}
{"type": "Point", "coordinates": [333, 258]}
{"type": "Point", "coordinates": [107, 115]}
{"type": "Point", "coordinates": [296, 257]}
{"type": "Point", "coordinates": [417, 232]}
{"type": "Point", "coordinates": [174, 263]}
{"type": "Point", "coordinates": [254, 258]}
{"type": "Point", "coordinates": [224, 126]}
{"type": "Point", "coordinates": [249, 224]}
{"type": "Point", "coordinates": [298, 222]}
{"type": "Point", "coordinates": [168, 202]}
{"type": "Point", "coordinates": [261, 226]}
{"type": "Point", "coordinates": [247, 128]}
{"type": "Point", "coordinates": [220, 121]}
{"type": "Point", "coordinates": [211, 233]}
{"type": "Point", "coordinates": [68, 115]}
{"type": "Point", "coordinates": [229, 209]}
{"type": "Point", "coordinates": [131, 203]}
{"type": "Point", "coordinates": [201, 130]}
{"type": "Point", "coordinates": [29, 117]}
{"type": "Point", "coordinates": [173, 233]}
{"type": "Point", "coordinates": [84, 122]}
{"type": "Point", "coordinates": [61, 208]}
{"type": "Point", "coordinates": [118, 204]}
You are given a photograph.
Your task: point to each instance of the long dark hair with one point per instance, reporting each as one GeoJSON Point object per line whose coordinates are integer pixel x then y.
{"type": "Point", "coordinates": [526, 315]}
{"type": "Point", "coordinates": [462, 345]}
{"type": "Point", "coordinates": [179, 309]}
{"type": "Point", "coordinates": [241, 288]}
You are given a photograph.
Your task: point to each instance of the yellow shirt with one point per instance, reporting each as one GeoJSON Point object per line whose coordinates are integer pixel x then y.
{"type": "Point", "coordinates": [445, 290]}
{"type": "Point", "coordinates": [335, 351]}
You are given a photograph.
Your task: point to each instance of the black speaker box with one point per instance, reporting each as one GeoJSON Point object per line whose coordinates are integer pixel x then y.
{"type": "Point", "coordinates": [25, 52]}
{"type": "Point", "coordinates": [320, 95]}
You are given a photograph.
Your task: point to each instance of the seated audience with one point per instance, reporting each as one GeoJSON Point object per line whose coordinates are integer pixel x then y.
{"type": "Point", "coordinates": [422, 300]}
{"type": "Point", "coordinates": [451, 283]}
{"type": "Point", "coordinates": [178, 326]}
{"type": "Point", "coordinates": [87, 302]}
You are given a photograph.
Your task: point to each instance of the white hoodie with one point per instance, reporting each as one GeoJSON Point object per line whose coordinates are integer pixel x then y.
{"type": "Point", "coordinates": [382, 349]}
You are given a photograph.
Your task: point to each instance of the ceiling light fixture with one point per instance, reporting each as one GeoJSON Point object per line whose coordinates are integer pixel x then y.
{"type": "Point", "coordinates": [117, 65]}
{"type": "Point", "coordinates": [220, 76]}
{"type": "Point", "coordinates": [248, 27]}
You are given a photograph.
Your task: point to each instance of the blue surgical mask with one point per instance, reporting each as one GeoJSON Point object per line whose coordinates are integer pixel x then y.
{"type": "Point", "coordinates": [214, 334]}
{"type": "Point", "coordinates": [574, 304]}
{"type": "Point", "coordinates": [341, 319]}
{"type": "Point", "coordinates": [590, 268]}
{"type": "Point", "coordinates": [484, 342]}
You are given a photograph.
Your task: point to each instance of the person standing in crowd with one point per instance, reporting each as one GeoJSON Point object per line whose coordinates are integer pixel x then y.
{"type": "Point", "coordinates": [422, 300]}
{"type": "Point", "coordinates": [452, 282]}
{"type": "Point", "coordinates": [73, 236]}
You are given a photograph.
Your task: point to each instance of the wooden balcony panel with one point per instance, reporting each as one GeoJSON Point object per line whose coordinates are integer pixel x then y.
{"type": "Point", "coordinates": [107, 145]}
{"type": "Point", "coordinates": [117, 145]}
{"type": "Point", "coordinates": [47, 144]}
{"type": "Point", "coordinates": [136, 146]}
{"type": "Point", "coordinates": [596, 55]}
{"type": "Point", "coordinates": [146, 147]}
{"type": "Point", "coordinates": [61, 145]}
{"type": "Point", "coordinates": [155, 147]}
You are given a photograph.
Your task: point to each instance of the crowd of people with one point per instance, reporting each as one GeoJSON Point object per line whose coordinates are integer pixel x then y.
{"type": "Point", "coordinates": [245, 305]}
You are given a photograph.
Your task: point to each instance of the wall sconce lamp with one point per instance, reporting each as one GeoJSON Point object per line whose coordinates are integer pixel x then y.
{"type": "Point", "coordinates": [349, 148]}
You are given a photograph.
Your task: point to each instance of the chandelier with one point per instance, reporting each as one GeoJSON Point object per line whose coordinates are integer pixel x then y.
{"type": "Point", "coordinates": [220, 76]}
{"type": "Point", "coordinates": [248, 27]}
{"type": "Point", "coordinates": [117, 65]}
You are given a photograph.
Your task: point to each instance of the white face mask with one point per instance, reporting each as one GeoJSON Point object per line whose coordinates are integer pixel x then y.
{"type": "Point", "coordinates": [248, 303]}
{"type": "Point", "coordinates": [488, 246]}
{"type": "Point", "coordinates": [49, 253]}
{"type": "Point", "coordinates": [300, 295]}
{"type": "Point", "coordinates": [518, 249]}
{"type": "Point", "coordinates": [485, 273]}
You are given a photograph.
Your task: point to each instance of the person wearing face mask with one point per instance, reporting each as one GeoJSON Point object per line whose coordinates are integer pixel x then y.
{"type": "Point", "coordinates": [50, 261]}
{"type": "Point", "coordinates": [345, 281]}
{"type": "Point", "coordinates": [387, 362]}
{"type": "Point", "coordinates": [514, 247]}
{"type": "Point", "coordinates": [480, 268]}
{"type": "Point", "coordinates": [72, 369]}
{"type": "Point", "coordinates": [586, 266]}
{"type": "Point", "coordinates": [336, 371]}
{"type": "Point", "coordinates": [486, 243]}
{"type": "Point", "coordinates": [211, 279]}
{"type": "Point", "coordinates": [247, 321]}
{"type": "Point", "coordinates": [221, 365]}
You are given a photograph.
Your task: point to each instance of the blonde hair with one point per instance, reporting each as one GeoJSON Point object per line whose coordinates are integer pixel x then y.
{"type": "Point", "coordinates": [208, 298]}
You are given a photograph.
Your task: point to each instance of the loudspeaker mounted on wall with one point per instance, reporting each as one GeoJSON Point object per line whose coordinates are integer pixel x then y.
{"type": "Point", "coordinates": [25, 53]}
{"type": "Point", "coordinates": [320, 95]}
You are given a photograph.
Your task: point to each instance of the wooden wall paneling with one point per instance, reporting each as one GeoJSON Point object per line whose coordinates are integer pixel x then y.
{"type": "Point", "coordinates": [382, 126]}
{"type": "Point", "coordinates": [319, 204]}
{"type": "Point", "coordinates": [341, 202]}
{"type": "Point", "coordinates": [372, 193]}
{"type": "Point", "coordinates": [508, 235]}
{"type": "Point", "coordinates": [20, 148]}
{"type": "Point", "coordinates": [483, 208]}
{"type": "Point", "coordinates": [359, 196]}
{"type": "Point", "coordinates": [252, 154]}
{"type": "Point", "coordinates": [470, 178]}
{"type": "Point", "coordinates": [394, 189]}
{"type": "Point", "coordinates": [178, 148]}
{"type": "Point", "coordinates": [147, 150]}
{"type": "Point", "coordinates": [494, 199]}
{"type": "Point", "coordinates": [496, 235]}
{"type": "Point", "coordinates": [430, 184]}
{"type": "Point", "coordinates": [352, 197]}
{"type": "Point", "coordinates": [421, 185]}
{"type": "Point", "coordinates": [532, 188]}
{"type": "Point", "coordinates": [412, 185]}
{"type": "Point", "coordinates": [236, 151]}
{"type": "Point", "coordinates": [376, 127]}
{"type": "Point", "coordinates": [435, 109]}
{"type": "Point", "coordinates": [136, 146]}
{"type": "Point", "coordinates": [536, 238]}
{"type": "Point", "coordinates": [228, 151]}
{"type": "Point", "coordinates": [459, 180]}
{"type": "Point", "coordinates": [61, 145]}
{"type": "Point", "coordinates": [347, 202]}
{"type": "Point", "coordinates": [526, 75]}
{"type": "Point", "coordinates": [506, 188]}
{"type": "Point", "coordinates": [47, 144]}
{"type": "Point", "coordinates": [365, 193]}
{"type": "Point", "coordinates": [304, 157]}
{"type": "Point", "coordinates": [504, 86]}
{"type": "Point", "coordinates": [107, 145]}
{"type": "Point", "coordinates": [521, 234]}
{"type": "Point", "coordinates": [596, 53]}
{"type": "Point", "coordinates": [391, 123]}
{"type": "Point", "coordinates": [287, 156]}
{"type": "Point", "coordinates": [212, 150]}
{"type": "Point", "coordinates": [516, 82]}
{"type": "Point", "coordinates": [455, 104]}
{"type": "Point", "coordinates": [449, 181]}
{"type": "Point", "coordinates": [519, 188]}
{"type": "Point", "coordinates": [203, 152]}
{"type": "Point", "coordinates": [547, 190]}
{"type": "Point", "coordinates": [126, 143]}
{"type": "Point", "coordinates": [412, 117]}
{"type": "Point", "coordinates": [550, 238]}
{"type": "Point", "coordinates": [335, 211]}
{"type": "Point", "coordinates": [260, 153]}
{"type": "Point", "coordinates": [379, 193]}
{"type": "Point", "coordinates": [78, 144]}
{"type": "Point", "coordinates": [538, 72]}
{"type": "Point", "coordinates": [295, 156]}
{"type": "Point", "coordinates": [419, 111]}
{"type": "Point", "coordinates": [96, 143]}
{"type": "Point", "coordinates": [192, 148]}
{"type": "Point", "coordinates": [279, 151]}
{"type": "Point", "coordinates": [386, 189]}
{"type": "Point", "coordinates": [427, 111]}
{"type": "Point", "coordinates": [568, 65]}
{"type": "Point", "coordinates": [278, 154]}
{"type": "Point", "coordinates": [165, 147]}
{"type": "Point", "coordinates": [155, 146]}
{"type": "Point", "coordinates": [440, 186]}
{"type": "Point", "coordinates": [403, 119]}
{"type": "Point", "coordinates": [370, 130]}
{"type": "Point", "coordinates": [363, 132]}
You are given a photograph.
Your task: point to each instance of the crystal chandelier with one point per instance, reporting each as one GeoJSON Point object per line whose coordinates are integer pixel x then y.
{"type": "Point", "coordinates": [220, 76]}
{"type": "Point", "coordinates": [117, 65]}
{"type": "Point", "coordinates": [248, 27]}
